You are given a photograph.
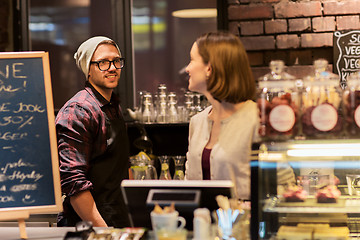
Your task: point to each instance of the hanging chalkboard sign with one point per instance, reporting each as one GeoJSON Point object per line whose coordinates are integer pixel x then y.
{"type": "Point", "coordinates": [29, 170]}
{"type": "Point", "coordinates": [346, 54]}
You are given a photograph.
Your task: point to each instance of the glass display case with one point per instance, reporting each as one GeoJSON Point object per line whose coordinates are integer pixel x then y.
{"type": "Point", "coordinates": [306, 188]}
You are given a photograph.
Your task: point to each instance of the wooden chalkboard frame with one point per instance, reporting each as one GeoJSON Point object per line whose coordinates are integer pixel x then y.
{"type": "Point", "coordinates": [9, 213]}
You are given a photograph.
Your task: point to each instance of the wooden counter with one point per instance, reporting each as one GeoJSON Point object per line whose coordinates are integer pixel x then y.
{"type": "Point", "coordinates": [47, 233]}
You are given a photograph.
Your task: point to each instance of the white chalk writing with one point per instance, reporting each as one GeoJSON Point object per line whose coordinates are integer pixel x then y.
{"type": "Point", "coordinates": [348, 45]}
{"type": "Point", "coordinates": [8, 136]}
{"type": "Point", "coordinates": [16, 120]}
{"type": "Point", "coordinates": [27, 199]}
{"type": "Point", "coordinates": [20, 163]}
{"type": "Point", "coordinates": [5, 199]}
{"type": "Point", "coordinates": [15, 70]}
{"type": "Point", "coordinates": [18, 175]}
{"type": "Point", "coordinates": [4, 107]}
{"type": "Point", "coordinates": [29, 108]}
{"type": "Point", "coordinates": [23, 187]}
{"type": "Point", "coordinates": [354, 39]}
{"type": "Point", "coordinates": [7, 88]}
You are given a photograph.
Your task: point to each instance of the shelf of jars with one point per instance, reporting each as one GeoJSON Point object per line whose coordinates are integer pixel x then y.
{"type": "Point", "coordinates": [306, 169]}
{"type": "Point", "coordinates": [310, 108]}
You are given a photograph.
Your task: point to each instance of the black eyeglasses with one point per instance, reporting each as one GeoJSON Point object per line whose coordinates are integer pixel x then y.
{"type": "Point", "coordinates": [104, 65]}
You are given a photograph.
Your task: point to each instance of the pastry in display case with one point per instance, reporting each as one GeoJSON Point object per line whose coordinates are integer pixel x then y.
{"type": "Point", "coordinates": [295, 193]}
{"type": "Point", "coordinates": [306, 189]}
{"type": "Point", "coordinates": [305, 173]}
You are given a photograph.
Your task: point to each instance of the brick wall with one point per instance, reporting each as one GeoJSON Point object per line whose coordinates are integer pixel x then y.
{"type": "Point", "coordinates": [295, 31]}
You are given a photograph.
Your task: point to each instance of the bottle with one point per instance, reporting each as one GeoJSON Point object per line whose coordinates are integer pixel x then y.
{"type": "Point", "coordinates": [179, 167]}
{"type": "Point", "coordinates": [147, 108]}
{"type": "Point", "coordinates": [165, 171]}
{"type": "Point", "coordinates": [172, 114]}
{"type": "Point", "coordinates": [189, 105]}
{"type": "Point", "coordinates": [202, 224]}
{"type": "Point", "coordinates": [162, 110]}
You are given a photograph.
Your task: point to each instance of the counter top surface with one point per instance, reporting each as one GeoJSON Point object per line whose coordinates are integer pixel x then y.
{"type": "Point", "coordinates": [42, 233]}
{"type": "Point", "coordinates": [35, 233]}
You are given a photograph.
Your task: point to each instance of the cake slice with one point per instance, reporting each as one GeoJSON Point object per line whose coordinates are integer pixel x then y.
{"type": "Point", "coordinates": [328, 194]}
{"type": "Point", "coordinates": [333, 233]}
{"type": "Point", "coordinates": [294, 233]}
{"type": "Point", "coordinates": [295, 194]}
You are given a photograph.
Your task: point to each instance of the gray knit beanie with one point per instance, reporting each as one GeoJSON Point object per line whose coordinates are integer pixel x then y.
{"type": "Point", "coordinates": [85, 52]}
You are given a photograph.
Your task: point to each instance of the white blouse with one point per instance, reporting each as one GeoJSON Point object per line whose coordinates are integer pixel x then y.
{"type": "Point", "coordinates": [230, 156]}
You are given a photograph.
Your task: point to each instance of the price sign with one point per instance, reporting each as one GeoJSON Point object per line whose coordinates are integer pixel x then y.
{"type": "Point", "coordinates": [29, 171]}
{"type": "Point", "coordinates": [346, 54]}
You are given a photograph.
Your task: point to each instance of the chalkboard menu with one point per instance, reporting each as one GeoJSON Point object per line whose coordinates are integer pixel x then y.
{"type": "Point", "coordinates": [29, 172]}
{"type": "Point", "coordinates": [346, 54]}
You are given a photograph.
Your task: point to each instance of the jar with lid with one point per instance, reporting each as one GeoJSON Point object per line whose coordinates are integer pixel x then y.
{"type": "Point", "coordinates": [351, 103]}
{"type": "Point", "coordinates": [278, 102]}
{"type": "Point", "coordinates": [321, 103]}
{"type": "Point", "coordinates": [162, 109]}
{"type": "Point", "coordinates": [148, 114]}
{"type": "Point", "coordinates": [172, 110]}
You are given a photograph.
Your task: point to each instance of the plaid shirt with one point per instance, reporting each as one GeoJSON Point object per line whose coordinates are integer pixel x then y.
{"type": "Point", "coordinates": [81, 135]}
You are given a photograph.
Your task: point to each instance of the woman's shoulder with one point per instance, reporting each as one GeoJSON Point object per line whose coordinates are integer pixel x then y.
{"type": "Point", "coordinates": [248, 112]}
{"type": "Point", "coordinates": [250, 106]}
{"type": "Point", "coordinates": [201, 116]}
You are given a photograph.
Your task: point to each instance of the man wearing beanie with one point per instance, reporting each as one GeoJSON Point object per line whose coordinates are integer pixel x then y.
{"type": "Point", "coordinates": [92, 141]}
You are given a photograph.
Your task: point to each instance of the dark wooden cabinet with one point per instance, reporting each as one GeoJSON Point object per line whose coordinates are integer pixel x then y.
{"type": "Point", "coordinates": [166, 138]}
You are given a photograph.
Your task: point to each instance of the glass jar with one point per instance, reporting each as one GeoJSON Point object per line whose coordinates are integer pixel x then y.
{"type": "Point", "coordinates": [162, 109]}
{"type": "Point", "coordinates": [179, 162]}
{"type": "Point", "coordinates": [142, 167]}
{"type": "Point", "coordinates": [351, 103]}
{"type": "Point", "coordinates": [278, 102]}
{"type": "Point", "coordinates": [172, 111]}
{"type": "Point", "coordinates": [321, 103]}
{"type": "Point", "coordinates": [148, 114]}
{"type": "Point", "coordinates": [165, 171]}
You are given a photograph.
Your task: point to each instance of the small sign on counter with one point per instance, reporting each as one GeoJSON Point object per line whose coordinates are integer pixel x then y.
{"type": "Point", "coordinates": [346, 53]}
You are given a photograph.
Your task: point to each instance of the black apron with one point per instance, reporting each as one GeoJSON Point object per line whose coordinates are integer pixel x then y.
{"type": "Point", "coordinates": [106, 173]}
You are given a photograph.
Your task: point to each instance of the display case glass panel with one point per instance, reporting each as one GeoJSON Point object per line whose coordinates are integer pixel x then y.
{"type": "Point", "coordinates": [305, 184]}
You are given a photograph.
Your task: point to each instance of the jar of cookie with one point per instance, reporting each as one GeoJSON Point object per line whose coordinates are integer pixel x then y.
{"type": "Point", "coordinates": [321, 115]}
{"type": "Point", "coordinates": [351, 103]}
{"type": "Point", "coordinates": [278, 102]}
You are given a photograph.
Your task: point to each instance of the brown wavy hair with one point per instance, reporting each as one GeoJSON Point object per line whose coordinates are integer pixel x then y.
{"type": "Point", "coordinates": [231, 78]}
